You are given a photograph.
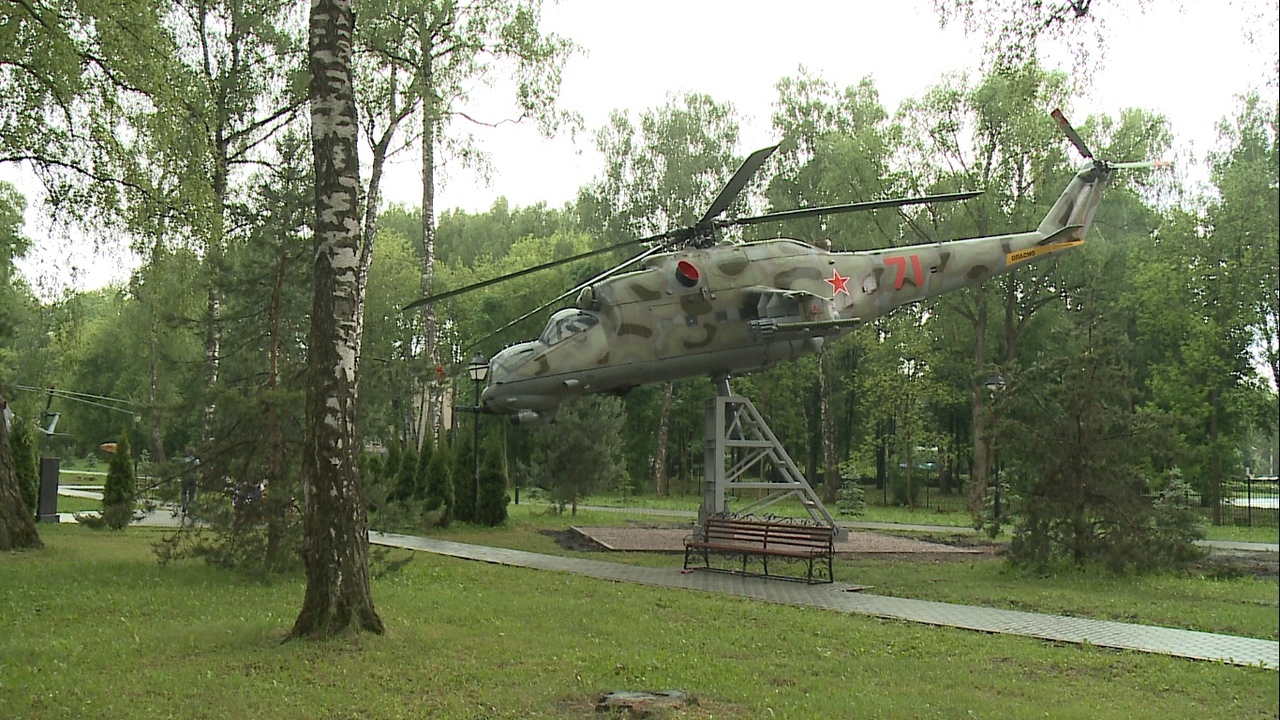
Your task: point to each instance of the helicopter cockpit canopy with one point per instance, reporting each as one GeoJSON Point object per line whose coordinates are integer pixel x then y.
{"type": "Point", "coordinates": [566, 323]}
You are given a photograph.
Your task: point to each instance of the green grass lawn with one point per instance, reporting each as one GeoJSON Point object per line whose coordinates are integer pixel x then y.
{"type": "Point", "coordinates": [1235, 533]}
{"type": "Point", "coordinates": [95, 628]}
{"type": "Point", "coordinates": [73, 477]}
{"type": "Point", "coordinates": [74, 504]}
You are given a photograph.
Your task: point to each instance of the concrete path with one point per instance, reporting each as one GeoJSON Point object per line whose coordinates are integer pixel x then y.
{"type": "Point", "coordinates": [1104, 633]}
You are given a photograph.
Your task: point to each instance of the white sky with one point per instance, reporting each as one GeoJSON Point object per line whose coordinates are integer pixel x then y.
{"type": "Point", "coordinates": [1185, 59]}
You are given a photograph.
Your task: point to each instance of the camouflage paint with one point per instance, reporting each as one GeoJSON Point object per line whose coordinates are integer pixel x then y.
{"type": "Point", "coordinates": [755, 305]}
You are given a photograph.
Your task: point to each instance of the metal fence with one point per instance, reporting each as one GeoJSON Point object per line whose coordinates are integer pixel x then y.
{"type": "Point", "coordinates": [1253, 502]}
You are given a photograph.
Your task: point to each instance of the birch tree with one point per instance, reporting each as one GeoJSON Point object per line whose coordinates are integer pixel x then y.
{"type": "Point", "coordinates": [335, 548]}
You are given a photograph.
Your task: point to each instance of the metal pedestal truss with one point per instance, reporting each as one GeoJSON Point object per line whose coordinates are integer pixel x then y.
{"type": "Point", "coordinates": [737, 436]}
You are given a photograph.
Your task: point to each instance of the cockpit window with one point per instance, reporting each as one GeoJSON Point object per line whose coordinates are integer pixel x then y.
{"type": "Point", "coordinates": [566, 323]}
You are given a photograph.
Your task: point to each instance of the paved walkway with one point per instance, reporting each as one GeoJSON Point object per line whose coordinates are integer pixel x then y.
{"type": "Point", "coordinates": [1104, 633]}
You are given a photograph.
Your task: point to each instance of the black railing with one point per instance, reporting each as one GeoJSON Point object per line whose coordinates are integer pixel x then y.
{"type": "Point", "coordinates": [1252, 502]}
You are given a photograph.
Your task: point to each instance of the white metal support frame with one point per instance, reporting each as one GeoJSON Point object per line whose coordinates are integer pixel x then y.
{"type": "Point", "coordinates": [733, 423]}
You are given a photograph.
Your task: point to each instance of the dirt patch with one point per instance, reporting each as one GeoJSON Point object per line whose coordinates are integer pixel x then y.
{"type": "Point", "coordinates": [571, 539]}
{"type": "Point", "coordinates": [1240, 563]}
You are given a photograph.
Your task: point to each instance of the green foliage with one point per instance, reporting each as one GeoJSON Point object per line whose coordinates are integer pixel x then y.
{"type": "Point", "coordinates": [12, 245]}
{"type": "Point", "coordinates": [420, 473]}
{"type": "Point", "coordinates": [440, 485]}
{"type": "Point", "coordinates": [26, 462]}
{"type": "Point", "coordinates": [581, 449]}
{"type": "Point", "coordinates": [464, 491]}
{"type": "Point", "coordinates": [407, 477]}
{"type": "Point", "coordinates": [902, 491]}
{"type": "Point", "coordinates": [371, 467]}
{"type": "Point", "coordinates": [1079, 441]}
{"type": "Point", "coordinates": [851, 501]}
{"type": "Point", "coordinates": [118, 492]}
{"type": "Point", "coordinates": [492, 510]}
{"type": "Point", "coordinates": [1174, 521]}
{"type": "Point", "coordinates": [391, 467]}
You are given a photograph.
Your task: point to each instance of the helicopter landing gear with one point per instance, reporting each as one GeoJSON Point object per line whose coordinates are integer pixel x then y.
{"type": "Point", "coordinates": [736, 433]}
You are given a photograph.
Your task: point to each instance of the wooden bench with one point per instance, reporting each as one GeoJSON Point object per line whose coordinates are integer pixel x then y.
{"type": "Point", "coordinates": [748, 538]}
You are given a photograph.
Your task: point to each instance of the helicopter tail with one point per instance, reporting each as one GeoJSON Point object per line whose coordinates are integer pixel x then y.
{"type": "Point", "coordinates": [1080, 200]}
{"type": "Point", "coordinates": [1078, 203]}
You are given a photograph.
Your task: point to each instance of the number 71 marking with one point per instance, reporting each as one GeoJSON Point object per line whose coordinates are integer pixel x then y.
{"type": "Point", "coordinates": [917, 275]}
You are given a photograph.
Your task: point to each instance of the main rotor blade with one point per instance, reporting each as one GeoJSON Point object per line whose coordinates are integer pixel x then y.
{"type": "Point", "coordinates": [529, 270]}
{"type": "Point", "coordinates": [1142, 164]}
{"type": "Point", "coordinates": [730, 191]}
{"type": "Point", "coordinates": [607, 273]}
{"type": "Point", "coordinates": [1071, 134]}
{"type": "Point", "coordinates": [853, 207]}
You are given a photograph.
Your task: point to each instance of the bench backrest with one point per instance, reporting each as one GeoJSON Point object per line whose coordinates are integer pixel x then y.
{"type": "Point", "coordinates": [767, 533]}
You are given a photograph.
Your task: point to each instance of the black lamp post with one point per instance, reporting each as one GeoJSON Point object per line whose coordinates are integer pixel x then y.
{"type": "Point", "coordinates": [995, 385]}
{"type": "Point", "coordinates": [478, 369]}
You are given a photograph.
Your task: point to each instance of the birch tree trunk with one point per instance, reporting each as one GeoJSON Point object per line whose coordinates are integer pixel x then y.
{"type": "Point", "coordinates": [830, 464]}
{"type": "Point", "coordinates": [664, 435]}
{"type": "Point", "coordinates": [153, 393]}
{"type": "Point", "coordinates": [432, 388]}
{"type": "Point", "coordinates": [335, 548]}
{"type": "Point", "coordinates": [981, 453]}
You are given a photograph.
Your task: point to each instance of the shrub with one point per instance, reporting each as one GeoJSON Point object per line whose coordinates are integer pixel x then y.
{"type": "Point", "coordinates": [464, 505]}
{"type": "Point", "coordinates": [900, 494]}
{"type": "Point", "coordinates": [118, 492]}
{"type": "Point", "coordinates": [851, 499]}
{"type": "Point", "coordinates": [406, 477]}
{"type": "Point", "coordinates": [492, 510]}
{"type": "Point", "coordinates": [420, 481]}
{"type": "Point", "coordinates": [440, 484]}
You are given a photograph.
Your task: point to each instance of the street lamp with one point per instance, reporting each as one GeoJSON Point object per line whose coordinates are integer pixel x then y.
{"type": "Point", "coordinates": [995, 385]}
{"type": "Point", "coordinates": [478, 369]}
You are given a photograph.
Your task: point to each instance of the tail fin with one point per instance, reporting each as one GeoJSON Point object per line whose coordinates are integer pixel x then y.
{"type": "Point", "coordinates": [1078, 202]}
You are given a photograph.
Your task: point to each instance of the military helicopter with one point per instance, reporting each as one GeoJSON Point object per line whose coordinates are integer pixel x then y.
{"type": "Point", "coordinates": [698, 305]}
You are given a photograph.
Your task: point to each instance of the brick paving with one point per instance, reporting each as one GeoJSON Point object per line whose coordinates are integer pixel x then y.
{"type": "Point", "coordinates": [1104, 633]}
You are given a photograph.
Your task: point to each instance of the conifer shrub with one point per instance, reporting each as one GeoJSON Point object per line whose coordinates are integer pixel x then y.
{"type": "Point", "coordinates": [118, 492]}
{"type": "Point", "coordinates": [492, 510]}
{"type": "Point", "coordinates": [420, 472]}
{"type": "Point", "coordinates": [440, 490]}
{"type": "Point", "coordinates": [464, 505]}
{"type": "Point", "coordinates": [406, 477]}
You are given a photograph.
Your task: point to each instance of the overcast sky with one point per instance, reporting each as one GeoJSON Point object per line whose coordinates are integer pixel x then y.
{"type": "Point", "coordinates": [1185, 59]}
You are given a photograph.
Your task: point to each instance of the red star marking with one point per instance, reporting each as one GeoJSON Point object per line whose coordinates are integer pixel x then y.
{"type": "Point", "coordinates": [838, 283]}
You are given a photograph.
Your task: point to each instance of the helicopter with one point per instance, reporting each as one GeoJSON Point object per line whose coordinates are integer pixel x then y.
{"type": "Point", "coordinates": [701, 306]}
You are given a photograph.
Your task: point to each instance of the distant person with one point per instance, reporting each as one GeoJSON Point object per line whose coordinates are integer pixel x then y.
{"type": "Point", "coordinates": [190, 478]}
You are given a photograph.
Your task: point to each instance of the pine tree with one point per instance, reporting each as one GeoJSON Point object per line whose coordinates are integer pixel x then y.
{"type": "Point", "coordinates": [117, 494]}
{"type": "Point", "coordinates": [584, 448]}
